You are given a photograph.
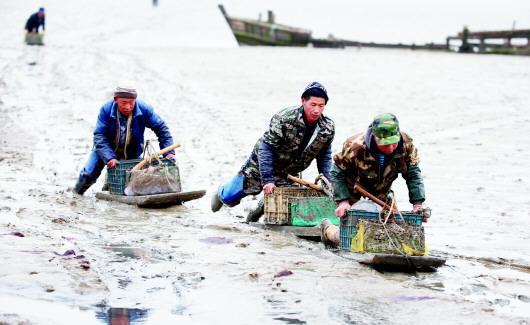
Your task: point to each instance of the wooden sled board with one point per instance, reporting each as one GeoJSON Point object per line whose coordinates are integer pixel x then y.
{"type": "Point", "coordinates": [391, 262]}
{"type": "Point", "coordinates": [153, 200]}
{"type": "Point", "coordinates": [311, 233]}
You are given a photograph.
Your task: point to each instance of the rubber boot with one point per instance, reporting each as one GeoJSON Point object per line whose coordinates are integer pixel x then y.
{"type": "Point", "coordinates": [328, 243]}
{"type": "Point", "coordinates": [82, 185]}
{"type": "Point", "coordinates": [254, 215]}
{"type": "Point", "coordinates": [216, 203]}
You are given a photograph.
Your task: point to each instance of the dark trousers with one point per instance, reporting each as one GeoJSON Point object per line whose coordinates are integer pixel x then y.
{"type": "Point", "coordinates": [90, 173]}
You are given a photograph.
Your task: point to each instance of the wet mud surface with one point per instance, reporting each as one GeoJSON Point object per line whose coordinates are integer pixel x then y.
{"type": "Point", "coordinates": [66, 257]}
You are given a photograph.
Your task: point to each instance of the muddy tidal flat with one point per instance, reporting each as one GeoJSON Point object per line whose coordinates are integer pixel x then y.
{"type": "Point", "coordinates": [67, 258]}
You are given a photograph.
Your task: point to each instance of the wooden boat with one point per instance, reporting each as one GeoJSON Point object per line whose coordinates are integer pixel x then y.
{"type": "Point", "coordinates": [393, 262]}
{"type": "Point", "coordinates": [269, 33]}
{"type": "Point", "coordinates": [309, 233]}
{"type": "Point", "coordinates": [154, 200]}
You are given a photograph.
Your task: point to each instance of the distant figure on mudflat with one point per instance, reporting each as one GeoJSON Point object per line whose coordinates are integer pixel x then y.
{"type": "Point", "coordinates": [155, 3]}
{"type": "Point", "coordinates": [119, 134]}
{"type": "Point", "coordinates": [373, 160]}
{"type": "Point", "coordinates": [35, 21]}
{"type": "Point", "coordinates": [296, 136]}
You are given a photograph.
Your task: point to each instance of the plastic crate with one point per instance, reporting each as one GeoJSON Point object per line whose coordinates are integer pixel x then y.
{"type": "Point", "coordinates": [34, 39]}
{"type": "Point", "coordinates": [277, 205]}
{"type": "Point", "coordinates": [118, 178]}
{"type": "Point", "coordinates": [348, 224]}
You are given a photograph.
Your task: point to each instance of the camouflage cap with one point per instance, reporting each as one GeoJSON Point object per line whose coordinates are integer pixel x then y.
{"type": "Point", "coordinates": [385, 128]}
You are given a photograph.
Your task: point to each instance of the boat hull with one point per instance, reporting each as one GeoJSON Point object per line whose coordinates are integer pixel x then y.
{"type": "Point", "coordinates": [154, 200]}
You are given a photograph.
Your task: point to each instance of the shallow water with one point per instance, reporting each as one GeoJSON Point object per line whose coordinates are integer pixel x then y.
{"type": "Point", "coordinates": [184, 264]}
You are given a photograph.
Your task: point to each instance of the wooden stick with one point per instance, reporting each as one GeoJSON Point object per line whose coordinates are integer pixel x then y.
{"type": "Point", "coordinates": [153, 156]}
{"type": "Point", "coordinates": [304, 183]}
{"type": "Point", "coordinates": [359, 189]}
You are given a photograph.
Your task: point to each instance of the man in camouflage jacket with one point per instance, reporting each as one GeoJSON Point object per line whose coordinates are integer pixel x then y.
{"type": "Point", "coordinates": [374, 160]}
{"type": "Point", "coordinates": [296, 136]}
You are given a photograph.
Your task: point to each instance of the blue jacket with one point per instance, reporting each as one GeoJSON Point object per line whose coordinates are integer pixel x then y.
{"type": "Point", "coordinates": [107, 131]}
{"type": "Point", "coordinates": [34, 22]}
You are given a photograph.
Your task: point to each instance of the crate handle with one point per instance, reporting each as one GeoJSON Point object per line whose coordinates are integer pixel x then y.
{"type": "Point", "coordinates": [305, 183]}
{"type": "Point", "coordinates": [359, 189]}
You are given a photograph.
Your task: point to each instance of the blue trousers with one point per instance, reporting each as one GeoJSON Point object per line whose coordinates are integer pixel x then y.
{"type": "Point", "coordinates": [90, 173]}
{"type": "Point", "coordinates": [232, 192]}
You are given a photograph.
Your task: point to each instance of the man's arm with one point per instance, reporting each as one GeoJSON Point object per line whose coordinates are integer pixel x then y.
{"type": "Point", "coordinates": [271, 140]}
{"type": "Point", "coordinates": [344, 160]}
{"type": "Point", "coordinates": [101, 142]}
{"type": "Point", "coordinates": [266, 163]}
{"type": "Point", "coordinates": [415, 184]}
{"type": "Point", "coordinates": [324, 161]}
{"type": "Point", "coordinates": [413, 176]}
{"type": "Point", "coordinates": [157, 124]}
{"type": "Point", "coordinates": [340, 188]}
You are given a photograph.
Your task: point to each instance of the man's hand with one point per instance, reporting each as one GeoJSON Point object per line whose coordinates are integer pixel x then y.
{"type": "Point", "coordinates": [170, 156]}
{"type": "Point", "coordinates": [111, 164]}
{"type": "Point", "coordinates": [424, 211]}
{"type": "Point", "coordinates": [269, 188]}
{"type": "Point", "coordinates": [417, 207]}
{"type": "Point", "coordinates": [344, 206]}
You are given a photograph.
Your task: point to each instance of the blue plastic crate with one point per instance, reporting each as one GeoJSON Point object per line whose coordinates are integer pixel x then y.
{"type": "Point", "coordinates": [348, 224]}
{"type": "Point", "coordinates": [118, 178]}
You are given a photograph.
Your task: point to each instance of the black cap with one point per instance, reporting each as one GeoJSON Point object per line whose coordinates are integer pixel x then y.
{"type": "Point", "coordinates": [315, 89]}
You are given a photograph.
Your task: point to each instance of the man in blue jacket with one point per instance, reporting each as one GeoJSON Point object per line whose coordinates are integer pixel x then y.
{"type": "Point", "coordinates": [35, 21]}
{"type": "Point", "coordinates": [119, 134]}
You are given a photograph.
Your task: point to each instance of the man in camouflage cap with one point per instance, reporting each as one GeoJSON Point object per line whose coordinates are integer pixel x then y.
{"type": "Point", "coordinates": [295, 137]}
{"type": "Point", "coordinates": [374, 160]}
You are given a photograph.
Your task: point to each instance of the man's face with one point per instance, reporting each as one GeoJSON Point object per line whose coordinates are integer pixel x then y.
{"type": "Point", "coordinates": [125, 105]}
{"type": "Point", "coordinates": [388, 149]}
{"type": "Point", "coordinates": [41, 14]}
{"type": "Point", "coordinates": [313, 108]}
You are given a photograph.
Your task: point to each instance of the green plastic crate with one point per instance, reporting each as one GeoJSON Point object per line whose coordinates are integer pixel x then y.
{"type": "Point", "coordinates": [118, 178]}
{"type": "Point", "coordinates": [34, 39]}
{"type": "Point", "coordinates": [348, 224]}
{"type": "Point", "coordinates": [310, 211]}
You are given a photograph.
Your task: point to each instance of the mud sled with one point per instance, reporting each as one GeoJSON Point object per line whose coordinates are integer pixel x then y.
{"type": "Point", "coordinates": [152, 182]}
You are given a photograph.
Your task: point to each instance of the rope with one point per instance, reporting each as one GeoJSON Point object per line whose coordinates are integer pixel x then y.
{"type": "Point", "coordinates": [392, 242]}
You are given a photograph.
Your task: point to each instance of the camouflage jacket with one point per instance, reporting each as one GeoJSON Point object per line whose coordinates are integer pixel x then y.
{"type": "Point", "coordinates": [356, 165]}
{"type": "Point", "coordinates": [284, 137]}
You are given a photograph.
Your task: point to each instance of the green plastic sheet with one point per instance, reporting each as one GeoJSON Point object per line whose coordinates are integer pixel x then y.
{"type": "Point", "coordinates": [309, 211]}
